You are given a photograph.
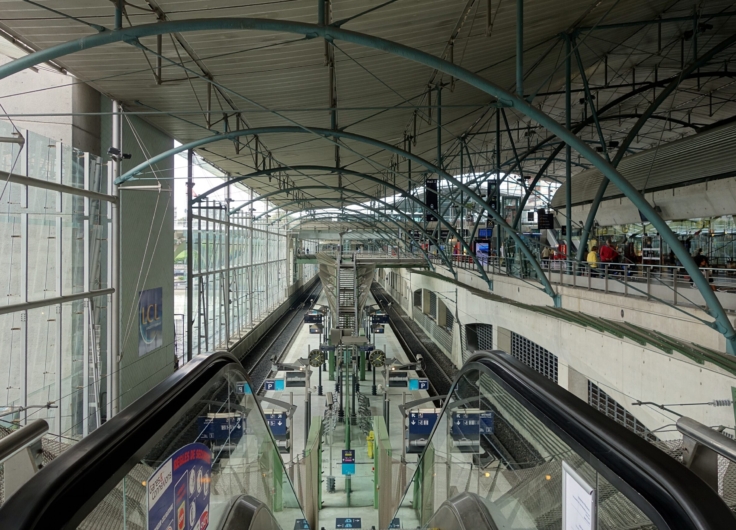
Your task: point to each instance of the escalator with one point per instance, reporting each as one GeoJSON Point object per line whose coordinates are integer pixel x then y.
{"type": "Point", "coordinates": [510, 450]}
{"type": "Point", "coordinates": [219, 477]}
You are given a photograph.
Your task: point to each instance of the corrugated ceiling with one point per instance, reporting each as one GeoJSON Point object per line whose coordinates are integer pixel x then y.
{"type": "Point", "coordinates": [378, 93]}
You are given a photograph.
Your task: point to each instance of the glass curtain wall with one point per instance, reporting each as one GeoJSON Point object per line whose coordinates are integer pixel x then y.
{"type": "Point", "coordinates": [55, 249]}
{"type": "Point", "coordinates": [240, 268]}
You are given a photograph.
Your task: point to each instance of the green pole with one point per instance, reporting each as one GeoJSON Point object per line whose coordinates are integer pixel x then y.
{"type": "Point", "coordinates": [362, 355]}
{"type": "Point", "coordinates": [331, 357]}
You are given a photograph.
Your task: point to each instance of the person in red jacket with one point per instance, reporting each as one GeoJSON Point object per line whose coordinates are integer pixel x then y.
{"type": "Point", "coordinates": [607, 253]}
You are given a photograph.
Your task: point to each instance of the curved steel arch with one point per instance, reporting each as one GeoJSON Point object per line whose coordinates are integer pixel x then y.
{"type": "Point", "coordinates": [360, 220]}
{"type": "Point", "coordinates": [329, 33]}
{"type": "Point", "coordinates": [431, 265]}
{"type": "Point", "coordinates": [129, 175]}
{"type": "Point", "coordinates": [359, 174]}
{"type": "Point", "coordinates": [589, 121]}
{"type": "Point", "coordinates": [388, 205]}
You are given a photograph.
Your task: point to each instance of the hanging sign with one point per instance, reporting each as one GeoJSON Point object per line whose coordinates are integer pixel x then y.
{"type": "Point", "coordinates": [178, 492]}
{"type": "Point", "coordinates": [150, 321]}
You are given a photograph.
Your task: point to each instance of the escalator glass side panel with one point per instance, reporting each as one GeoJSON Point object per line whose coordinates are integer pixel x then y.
{"type": "Point", "coordinates": [227, 420]}
{"type": "Point", "coordinates": [539, 459]}
{"type": "Point", "coordinates": [183, 452]}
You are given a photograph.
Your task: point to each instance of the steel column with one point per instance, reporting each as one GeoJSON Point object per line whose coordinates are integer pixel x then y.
{"type": "Point", "coordinates": [190, 256]}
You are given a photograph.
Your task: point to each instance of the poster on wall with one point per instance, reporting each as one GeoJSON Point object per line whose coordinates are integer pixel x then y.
{"type": "Point", "coordinates": [150, 321]}
{"type": "Point", "coordinates": [578, 501]}
{"type": "Point", "coordinates": [178, 492]}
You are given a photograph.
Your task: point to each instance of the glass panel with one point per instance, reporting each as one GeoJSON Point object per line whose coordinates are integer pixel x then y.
{"type": "Point", "coordinates": [244, 459]}
{"type": "Point", "coordinates": [512, 461]}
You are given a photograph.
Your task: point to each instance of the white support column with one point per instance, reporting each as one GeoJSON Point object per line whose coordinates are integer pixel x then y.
{"type": "Point", "coordinates": [86, 343]}
{"type": "Point", "coordinates": [114, 313]}
{"type": "Point", "coordinates": [58, 428]}
{"type": "Point", "coordinates": [111, 350]}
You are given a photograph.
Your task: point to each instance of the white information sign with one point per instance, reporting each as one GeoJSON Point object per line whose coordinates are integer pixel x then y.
{"type": "Point", "coordinates": [578, 501]}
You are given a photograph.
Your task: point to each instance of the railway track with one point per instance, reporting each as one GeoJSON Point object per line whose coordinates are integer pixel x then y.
{"type": "Point", "coordinates": [437, 368]}
{"type": "Point", "coordinates": [276, 342]}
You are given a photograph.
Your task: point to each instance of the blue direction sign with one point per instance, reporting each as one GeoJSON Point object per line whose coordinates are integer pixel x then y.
{"type": "Point", "coordinates": [178, 492]}
{"type": "Point", "coordinates": [242, 387]}
{"type": "Point", "coordinates": [348, 522]}
{"type": "Point", "coordinates": [418, 384]}
{"type": "Point", "coordinates": [274, 384]}
{"type": "Point", "coordinates": [301, 524]}
{"type": "Point", "coordinates": [465, 425]}
{"type": "Point", "coordinates": [221, 429]}
{"type": "Point", "coordinates": [420, 427]}
{"type": "Point", "coordinates": [486, 422]}
{"type": "Point", "coordinates": [348, 462]}
{"type": "Point", "coordinates": [395, 523]}
{"type": "Point", "coordinates": [277, 423]}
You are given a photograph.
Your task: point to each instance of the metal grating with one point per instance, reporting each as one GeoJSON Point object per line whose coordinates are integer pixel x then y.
{"type": "Point", "coordinates": [432, 305]}
{"type": "Point", "coordinates": [449, 320]}
{"type": "Point", "coordinates": [418, 298]}
{"type": "Point", "coordinates": [604, 403]}
{"type": "Point", "coordinates": [485, 336]}
{"type": "Point", "coordinates": [534, 356]}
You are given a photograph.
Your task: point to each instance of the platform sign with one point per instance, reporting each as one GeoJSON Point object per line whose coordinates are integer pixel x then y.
{"type": "Point", "coordinates": [465, 425]}
{"type": "Point", "coordinates": [348, 462]}
{"type": "Point", "coordinates": [242, 387]}
{"type": "Point", "coordinates": [277, 423]}
{"type": "Point", "coordinates": [348, 522]}
{"type": "Point", "coordinates": [221, 428]}
{"type": "Point", "coordinates": [178, 492]}
{"type": "Point", "coordinates": [421, 424]}
{"type": "Point", "coordinates": [274, 384]}
{"type": "Point", "coordinates": [367, 347]}
{"type": "Point", "coordinates": [418, 384]}
{"type": "Point", "coordinates": [378, 328]}
{"type": "Point", "coordinates": [486, 422]}
{"type": "Point", "coordinates": [395, 523]}
{"type": "Point", "coordinates": [301, 524]}
{"type": "Point", "coordinates": [314, 329]}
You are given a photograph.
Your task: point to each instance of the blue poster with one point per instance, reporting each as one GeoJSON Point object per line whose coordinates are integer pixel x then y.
{"type": "Point", "coordinates": [178, 492]}
{"type": "Point", "coordinates": [150, 321]}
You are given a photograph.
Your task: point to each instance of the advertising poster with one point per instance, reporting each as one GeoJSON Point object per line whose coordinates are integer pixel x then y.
{"type": "Point", "coordinates": [178, 492]}
{"type": "Point", "coordinates": [150, 320]}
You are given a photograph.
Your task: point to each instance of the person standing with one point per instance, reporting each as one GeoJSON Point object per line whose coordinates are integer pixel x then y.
{"type": "Point", "coordinates": [592, 260]}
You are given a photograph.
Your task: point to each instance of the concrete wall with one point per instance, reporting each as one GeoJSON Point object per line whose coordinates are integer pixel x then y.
{"type": "Point", "coordinates": [625, 370]}
{"type": "Point", "coordinates": [146, 253]}
{"type": "Point", "coordinates": [46, 91]}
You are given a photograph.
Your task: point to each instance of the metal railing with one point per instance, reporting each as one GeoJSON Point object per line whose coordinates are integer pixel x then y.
{"type": "Point", "coordinates": [664, 283]}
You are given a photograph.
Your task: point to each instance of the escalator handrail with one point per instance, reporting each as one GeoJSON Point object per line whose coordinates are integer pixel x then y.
{"type": "Point", "coordinates": [69, 487]}
{"type": "Point", "coordinates": [678, 495]}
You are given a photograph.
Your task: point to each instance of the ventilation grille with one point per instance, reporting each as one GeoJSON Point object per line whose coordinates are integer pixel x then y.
{"type": "Point", "coordinates": [604, 403]}
{"type": "Point", "coordinates": [418, 298]}
{"type": "Point", "coordinates": [534, 356]}
{"type": "Point", "coordinates": [485, 336]}
{"type": "Point", "coordinates": [432, 305]}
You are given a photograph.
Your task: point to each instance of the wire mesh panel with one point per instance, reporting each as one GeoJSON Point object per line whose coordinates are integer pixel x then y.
{"type": "Point", "coordinates": [534, 356]}
{"type": "Point", "coordinates": [484, 334]}
{"type": "Point", "coordinates": [432, 305]}
{"type": "Point", "coordinates": [604, 403]}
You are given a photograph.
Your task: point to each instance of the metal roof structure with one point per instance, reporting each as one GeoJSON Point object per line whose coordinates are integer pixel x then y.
{"type": "Point", "coordinates": [709, 155]}
{"type": "Point", "coordinates": [212, 81]}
